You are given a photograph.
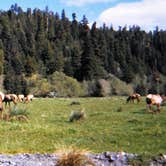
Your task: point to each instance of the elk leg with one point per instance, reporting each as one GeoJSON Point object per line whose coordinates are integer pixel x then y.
{"type": "Point", "coordinates": [158, 108]}
{"type": "Point", "coordinates": [149, 108]}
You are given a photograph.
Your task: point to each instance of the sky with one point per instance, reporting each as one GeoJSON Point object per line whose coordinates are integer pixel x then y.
{"type": "Point", "coordinates": [145, 13]}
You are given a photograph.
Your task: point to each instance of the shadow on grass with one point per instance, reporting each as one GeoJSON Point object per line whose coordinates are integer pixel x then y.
{"type": "Point", "coordinates": [163, 104]}
{"type": "Point", "coordinates": [142, 112]}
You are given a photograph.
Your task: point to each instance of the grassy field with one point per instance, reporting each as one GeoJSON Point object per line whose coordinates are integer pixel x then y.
{"type": "Point", "coordinates": [110, 125]}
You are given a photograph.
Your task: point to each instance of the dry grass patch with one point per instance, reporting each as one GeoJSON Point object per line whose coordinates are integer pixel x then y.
{"type": "Point", "coordinates": [73, 157]}
{"type": "Point", "coordinates": [16, 114]}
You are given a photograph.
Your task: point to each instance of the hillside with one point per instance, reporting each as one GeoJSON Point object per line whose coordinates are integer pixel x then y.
{"type": "Point", "coordinates": [43, 42]}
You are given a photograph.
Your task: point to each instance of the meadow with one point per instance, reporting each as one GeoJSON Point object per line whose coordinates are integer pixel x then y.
{"type": "Point", "coordinates": [110, 125]}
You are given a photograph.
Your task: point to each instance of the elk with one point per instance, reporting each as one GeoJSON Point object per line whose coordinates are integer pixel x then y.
{"type": "Point", "coordinates": [134, 96]}
{"type": "Point", "coordinates": [20, 97]}
{"type": "Point", "coordinates": [29, 98]}
{"type": "Point", "coordinates": [2, 96]}
{"type": "Point", "coordinates": [10, 98]}
{"type": "Point", "coordinates": [154, 99]}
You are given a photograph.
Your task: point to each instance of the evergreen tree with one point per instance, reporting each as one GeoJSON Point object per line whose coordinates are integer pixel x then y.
{"type": "Point", "coordinates": [76, 60]}
{"type": "Point", "coordinates": [1, 58]}
{"type": "Point", "coordinates": [74, 28]}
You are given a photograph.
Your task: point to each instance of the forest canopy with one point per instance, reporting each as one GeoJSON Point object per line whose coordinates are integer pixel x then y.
{"type": "Point", "coordinates": [43, 42]}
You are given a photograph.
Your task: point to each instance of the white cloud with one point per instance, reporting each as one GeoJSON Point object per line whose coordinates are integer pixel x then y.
{"type": "Point", "coordinates": [84, 2]}
{"type": "Point", "coordinates": [147, 14]}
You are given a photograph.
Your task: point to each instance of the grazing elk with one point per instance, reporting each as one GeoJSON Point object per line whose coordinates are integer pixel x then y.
{"type": "Point", "coordinates": [10, 98]}
{"type": "Point", "coordinates": [29, 98]}
{"type": "Point", "coordinates": [154, 99]}
{"type": "Point", "coordinates": [134, 96]}
{"type": "Point", "coordinates": [2, 96]}
{"type": "Point", "coordinates": [20, 97]}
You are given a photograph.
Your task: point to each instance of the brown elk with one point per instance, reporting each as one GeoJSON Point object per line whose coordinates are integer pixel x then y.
{"type": "Point", "coordinates": [134, 96]}
{"type": "Point", "coordinates": [154, 99]}
{"type": "Point", "coordinates": [2, 96]}
{"type": "Point", "coordinates": [10, 98]}
{"type": "Point", "coordinates": [20, 97]}
{"type": "Point", "coordinates": [29, 98]}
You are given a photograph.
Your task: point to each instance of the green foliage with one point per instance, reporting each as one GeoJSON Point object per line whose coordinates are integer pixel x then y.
{"type": "Point", "coordinates": [42, 87]}
{"type": "Point", "coordinates": [58, 82]}
{"type": "Point", "coordinates": [128, 74]}
{"type": "Point", "coordinates": [119, 87]}
{"type": "Point", "coordinates": [42, 42]}
{"type": "Point", "coordinates": [65, 85]}
{"type": "Point", "coordinates": [143, 84]}
{"type": "Point", "coordinates": [1, 61]}
{"type": "Point", "coordinates": [106, 87]}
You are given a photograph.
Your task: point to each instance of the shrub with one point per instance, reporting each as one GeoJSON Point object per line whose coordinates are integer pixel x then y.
{"type": "Point", "coordinates": [77, 115]}
{"type": "Point", "coordinates": [42, 87]}
{"type": "Point", "coordinates": [18, 111]}
{"type": "Point", "coordinates": [119, 87]}
{"type": "Point", "coordinates": [58, 82]}
{"type": "Point", "coordinates": [38, 85]}
{"type": "Point", "coordinates": [65, 86]}
{"type": "Point", "coordinates": [89, 87]}
{"type": "Point", "coordinates": [16, 114]}
{"type": "Point", "coordinates": [73, 157]}
{"type": "Point", "coordinates": [75, 103]}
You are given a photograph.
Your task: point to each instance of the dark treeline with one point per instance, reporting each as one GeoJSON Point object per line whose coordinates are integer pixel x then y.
{"type": "Point", "coordinates": [43, 42]}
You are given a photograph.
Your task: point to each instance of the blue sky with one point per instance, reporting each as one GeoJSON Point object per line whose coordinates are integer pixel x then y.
{"type": "Point", "coordinates": [146, 13]}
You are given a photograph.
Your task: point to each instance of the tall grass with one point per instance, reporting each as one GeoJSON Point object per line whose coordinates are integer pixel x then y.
{"type": "Point", "coordinates": [110, 125]}
{"type": "Point", "coordinates": [72, 156]}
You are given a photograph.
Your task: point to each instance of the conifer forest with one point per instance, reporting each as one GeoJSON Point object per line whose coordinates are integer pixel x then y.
{"type": "Point", "coordinates": [41, 42]}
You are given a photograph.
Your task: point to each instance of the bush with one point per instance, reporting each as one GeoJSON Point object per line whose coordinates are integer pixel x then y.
{"type": "Point", "coordinates": [103, 87]}
{"type": "Point", "coordinates": [58, 82]}
{"type": "Point", "coordinates": [77, 115]}
{"type": "Point", "coordinates": [89, 87]}
{"type": "Point", "coordinates": [19, 111]}
{"type": "Point", "coordinates": [73, 157]}
{"type": "Point", "coordinates": [65, 86]}
{"type": "Point", "coordinates": [97, 88]}
{"type": "Point", "coordinates": [16, 114]}
{"type": "Point", "coordinates": [38, 85]}
{"type": "Point", "coordinates": [119, 87]}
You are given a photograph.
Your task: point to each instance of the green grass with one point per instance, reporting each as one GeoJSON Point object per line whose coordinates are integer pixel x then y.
{"type": "Point", "coordinates": [110, 125]}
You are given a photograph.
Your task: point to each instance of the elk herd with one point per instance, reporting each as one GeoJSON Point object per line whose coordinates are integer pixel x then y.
{"type": "Point", "coordinates": [151, 99]}
{"type": "Point", "coordinates": [8, 98]}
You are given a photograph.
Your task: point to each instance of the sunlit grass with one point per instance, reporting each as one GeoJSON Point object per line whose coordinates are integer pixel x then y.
{"type": "Point", "coordinates": [110, 125]}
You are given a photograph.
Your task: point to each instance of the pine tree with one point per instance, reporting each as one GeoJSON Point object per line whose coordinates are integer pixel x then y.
{"type": "Point", "coordinates": [74, 28]}
{"type": "Point", "coordinates": [1, 58]}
